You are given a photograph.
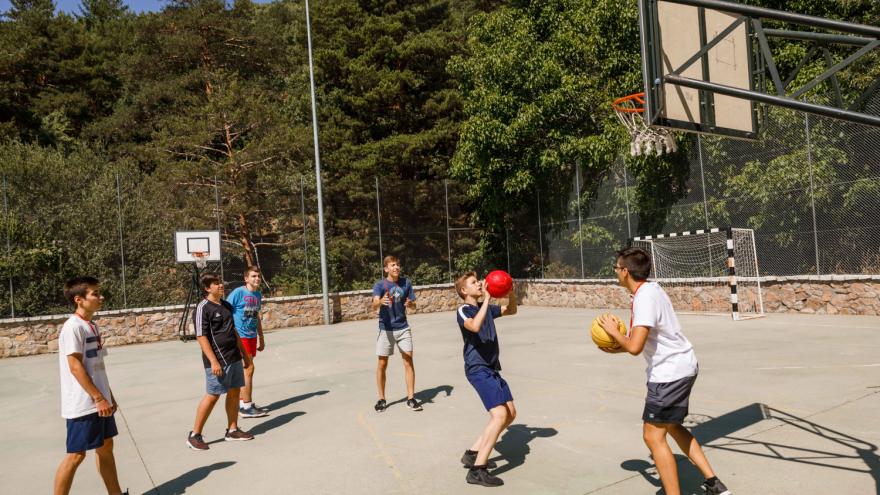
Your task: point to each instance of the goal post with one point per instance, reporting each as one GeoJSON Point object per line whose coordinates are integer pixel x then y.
{"type": "Point", "coordinates": [710, 270]}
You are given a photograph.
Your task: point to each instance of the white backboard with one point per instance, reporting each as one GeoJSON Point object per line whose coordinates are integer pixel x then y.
{"type": "Point", "coordinates": [188, 241]}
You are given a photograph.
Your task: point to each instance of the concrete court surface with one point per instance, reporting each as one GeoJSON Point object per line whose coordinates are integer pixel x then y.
{"type": "Point", "coordinates": [787, 404]}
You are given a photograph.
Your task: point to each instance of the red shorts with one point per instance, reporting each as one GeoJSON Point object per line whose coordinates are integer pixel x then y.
{"type": "Point", "coordinates": [250, 346]}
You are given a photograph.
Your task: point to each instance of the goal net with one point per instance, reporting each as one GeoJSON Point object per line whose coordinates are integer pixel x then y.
{"type": "Point", "coordinates": [714, 270]}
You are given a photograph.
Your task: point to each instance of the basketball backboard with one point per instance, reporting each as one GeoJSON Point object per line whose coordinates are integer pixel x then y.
{"type": "Point", "coordinates": [189, 241]}
{"type": "Point", "coordinates": [703, 44]}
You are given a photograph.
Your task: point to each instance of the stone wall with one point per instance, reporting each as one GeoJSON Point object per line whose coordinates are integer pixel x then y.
{"type": "Point", "coordinates": [830, 294]}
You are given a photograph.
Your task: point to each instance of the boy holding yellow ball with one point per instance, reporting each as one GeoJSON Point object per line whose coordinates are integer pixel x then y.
{"type": "Point", "coordinates": [672, 370]}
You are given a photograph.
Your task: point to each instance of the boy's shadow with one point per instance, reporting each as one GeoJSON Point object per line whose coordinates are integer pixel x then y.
{"type": "Point", "coordinates": [290, 400]}
{"type": "Point", "coordinates": [186, 480]}
{"type": "Point", "coordinates": [689, 477]}
{"type": "Point", "coordinates": [514, 445]}
{"type": "Point", "coordinates": [428, 395]}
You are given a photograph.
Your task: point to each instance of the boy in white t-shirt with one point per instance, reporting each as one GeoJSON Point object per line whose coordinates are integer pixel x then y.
{"type": "Point", "coordinates": [672, 370]}
{"type": "Point", "coordinates": [87, 403]}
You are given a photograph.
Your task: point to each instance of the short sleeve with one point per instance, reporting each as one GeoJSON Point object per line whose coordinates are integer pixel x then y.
{"type": "Point", "coordinates": [378, 289]}
{"type": "Point", "coordinates": [645, 312]}
{"type": "Point", "coordinates": [71, 340]}
{"type": "Point", "coordinates": [465, 312]}
{"type": "Point", "coordinates": [496, 310]}
{"type": "Point", "coordinates": [200, 323]}
{"type": "Point", "coordinates": [234, 298]}
{"type": "Point", "coordinates": [410, 292]}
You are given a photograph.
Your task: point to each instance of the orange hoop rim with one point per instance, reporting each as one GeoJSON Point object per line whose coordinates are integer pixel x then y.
{"type": "Point", "coordinates": [637, 98]}
{"type": "Point", "coordinates": [199, 254]}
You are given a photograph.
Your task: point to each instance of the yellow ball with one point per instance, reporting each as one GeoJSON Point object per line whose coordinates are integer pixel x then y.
{"type": "Point", "coordinates": [601, 338]}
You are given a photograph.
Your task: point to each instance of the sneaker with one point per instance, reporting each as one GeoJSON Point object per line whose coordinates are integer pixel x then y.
{"type": "Point", "coordinates": [716, 488]}
{"type": "Point", "coordinates": [261, 409]}
{"type": "Point", "coordinates": [470, 457]}
{"type": "Point", "coordinates": [196, 442]}
{"type": "Point", "coordinates": [480, 476]}
{"type": "Point", "coordinates": [237, 435]}
{"type": "Point", "coordinates": [413, 404]}
{"type": "Point", "coordinates": [251, 412]}
{"type": "Point", "coordinates": [380, 405]}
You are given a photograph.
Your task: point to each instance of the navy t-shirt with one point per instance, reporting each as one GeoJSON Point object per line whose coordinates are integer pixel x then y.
{"type": "Point", "coordinates": [480, 349]}
{"type": "Point", "coordinates": [393, 317]}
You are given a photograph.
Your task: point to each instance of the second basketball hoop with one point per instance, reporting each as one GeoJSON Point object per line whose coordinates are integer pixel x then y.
{"type": "Point", "coordinates": [646, 140]}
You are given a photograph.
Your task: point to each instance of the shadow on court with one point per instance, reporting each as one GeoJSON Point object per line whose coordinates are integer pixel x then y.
{"type": "Point", "coordinates": [514, 445]}
{"type": "Point", "coordinates": [842, 447]}
{"type": "Point", "coordinates": [291, 400]}
{"type": "Point", "coordinates": [428, 395]}
{"type": "Point", "coordinates": [274, 422]}
{"type": "Point", "coordinates": [186, 480]}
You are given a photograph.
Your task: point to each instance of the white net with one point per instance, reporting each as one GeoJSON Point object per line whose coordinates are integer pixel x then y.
{"type": "Point", "coordinates": [693, 268]}
{"type": "Point", "coordinates": [646, 140]}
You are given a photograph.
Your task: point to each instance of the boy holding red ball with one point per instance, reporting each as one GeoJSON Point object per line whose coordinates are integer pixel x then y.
{"type": "Point", "coordinates": [476, 320]}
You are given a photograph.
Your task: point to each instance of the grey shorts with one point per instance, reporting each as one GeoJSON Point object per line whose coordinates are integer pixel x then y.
{"type": "Point", "coordinates": [386, 340]}
{"type": "Point", "coordinates": [668, 402]}
{"type": "Point", "coordinates": [232, 377]}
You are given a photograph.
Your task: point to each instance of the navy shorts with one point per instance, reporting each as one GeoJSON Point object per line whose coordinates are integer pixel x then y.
{"type": "Point", "coordinates": [89, 432]}
{"type": "Point", "coordinates": [232, 377]}
{"type": "Point", "coordinates": [491, 388]}
{"type": "Point", "coordinates": [668, 402]}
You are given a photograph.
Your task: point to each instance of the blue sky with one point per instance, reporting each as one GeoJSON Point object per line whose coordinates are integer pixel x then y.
{"type": "Point", "coordinates": [72, 6]}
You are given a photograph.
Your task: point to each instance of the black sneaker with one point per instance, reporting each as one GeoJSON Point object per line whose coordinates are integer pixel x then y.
{"type": "Point", "coordinates": [261, 408]}
{"type": "Point", "coordinates": [380, 405]}
{"type": "Point", "coordinates": [237, 435]}
{"type": "Point", "coordinates": [470, 457]}
{"type": "Point", "coordinates": [196, 442]}
{"type": "Point", "coordinates": [478, 475]}
{"type": "Point", "coordinates": [413, 404]}
{"type": "Point", "coordinates": [715, 488]}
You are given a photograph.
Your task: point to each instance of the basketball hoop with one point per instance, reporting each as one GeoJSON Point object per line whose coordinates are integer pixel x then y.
{"type": "Point", "coordinates": [645, 139]}
{"type": "Point", "coordinates": [201, 259]}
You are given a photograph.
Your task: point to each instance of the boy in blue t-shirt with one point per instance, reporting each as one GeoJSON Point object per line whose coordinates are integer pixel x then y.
{"type": "Point", "coordinates": [246, 302]}
{"type": "Point", "coordinates": [391, 297]}
{"type": "Point", "coordinates": [476, 320]}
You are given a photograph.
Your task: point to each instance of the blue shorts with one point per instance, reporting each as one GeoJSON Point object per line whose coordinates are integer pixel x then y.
{"type": "Point", "coordinates": [491, 388]}
{"type": "Point", "coordinates": [89, 432]}
{"type": "Point", "coordinates": [232, 377]}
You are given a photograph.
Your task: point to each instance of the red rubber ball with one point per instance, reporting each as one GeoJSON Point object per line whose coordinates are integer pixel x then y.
{"type": "Point", "coordinates": [498, 283]}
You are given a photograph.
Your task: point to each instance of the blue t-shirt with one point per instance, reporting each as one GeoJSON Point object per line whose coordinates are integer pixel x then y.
{"type": "Point", "coordinates": [393, 317]}
{"type": "Point", "coordinates": [480, 349]}
{"type": "Point", "coordinates": [246, 311]}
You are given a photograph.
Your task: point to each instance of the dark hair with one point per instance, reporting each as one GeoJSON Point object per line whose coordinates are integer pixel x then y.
{"type": "Point", "coordinates": [390, 259]}
{"type": "Point", "coordinates": [78, 286]}
{"type": "Point", "coordinates": [459, 282]}
{"type": "Point", "coordinates": [208, 279]}
{"type": "Point", "coordinates": [636, 261]}
{"type": "Point", "coordinates": [250, 269]}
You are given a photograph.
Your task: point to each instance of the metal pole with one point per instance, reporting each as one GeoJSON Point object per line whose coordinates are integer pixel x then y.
{"type": "Point", "coordinates": [8, 249]}
{"type": "Point", "coordinates": [121, 244]}
{"type": "Point", "coordinates": [217, 214]}
{"type": "Point", "coordinates": [379, 223]}
{"type": "Point", "coordinates": [507, 244]}
{"type": "Point", "coordinates": [448, 241]}
{"type": "Point", "coordinates": [812, 195]}
{"type": "Point", "coordinates": [577, 191]}
{"type": "Point", "coordinates": [302, 202]}
{"type": "Point", "coordinates": [540, 240]}
{"type": "Point", "coordinates": [324, 284]}
{"type": "Point", "coordinates": [629, 233]}
{"type": "Point", "coordinates": [705, 205]}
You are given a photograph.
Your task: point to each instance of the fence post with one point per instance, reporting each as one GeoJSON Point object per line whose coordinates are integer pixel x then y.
{"type": "Point", "coordinates": [217, 214]}
{"type": "Point", "coordinates": [540, 240]}
{"type": "Point", "coordinates": [577, 193]}
{"type": "Point", "coordinates": [121, 243]}
{"type": "Point", "coordinates": [448, 241]}
{"type": "Point", "coordinates": [8, 249]}
{"type": "Point", "coordinates": [812, 195]}
{"type": "Point", "coordinates": [629, 233]}
{"type": "Point", "coordinates": [705, 205]}
{"type": "Point", "coordinates": [379, 224]}
{"type": "Point", "coordinates": [302, 203]}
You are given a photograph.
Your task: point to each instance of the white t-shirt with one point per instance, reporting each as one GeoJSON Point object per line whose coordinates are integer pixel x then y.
{"type": "Point", "coordinates": [669, 354]}
{"type": "Point", "coordinates": [79, 336]}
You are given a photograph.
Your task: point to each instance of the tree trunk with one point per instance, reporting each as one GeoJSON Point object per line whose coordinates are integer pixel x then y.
{"type": "Point", "coordinates": [245, 238]}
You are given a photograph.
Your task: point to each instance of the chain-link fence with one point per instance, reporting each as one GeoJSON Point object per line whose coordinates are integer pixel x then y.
{"type": "Point", "coordinates": [810, 189]}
